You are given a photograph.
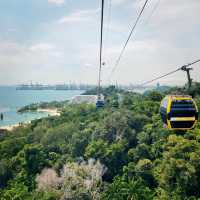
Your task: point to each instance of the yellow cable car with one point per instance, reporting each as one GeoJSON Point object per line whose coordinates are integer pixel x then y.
{"type": "Point", "coordinates": [179, 112]}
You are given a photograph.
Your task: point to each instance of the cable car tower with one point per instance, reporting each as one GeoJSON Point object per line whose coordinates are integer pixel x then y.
{"type": "Point", "coordinates": [100, 101]}
{"type": "Point", "coordinates": [187, 69]}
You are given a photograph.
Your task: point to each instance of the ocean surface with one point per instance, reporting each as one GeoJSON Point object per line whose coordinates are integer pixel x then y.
{"type": "Point", "coordinates": [11, 100]}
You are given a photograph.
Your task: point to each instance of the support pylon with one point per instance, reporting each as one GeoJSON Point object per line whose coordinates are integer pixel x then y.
{"type": "Point", "coordinates": [187, 70]}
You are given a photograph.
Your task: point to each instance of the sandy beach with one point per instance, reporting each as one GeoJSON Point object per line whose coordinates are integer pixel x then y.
{"type": "Point", "coordinates": [13, 126]}
{"type": "Point", "coordinates": [51, 112]}
{"type": "Point", "coordinates": [9, 127]}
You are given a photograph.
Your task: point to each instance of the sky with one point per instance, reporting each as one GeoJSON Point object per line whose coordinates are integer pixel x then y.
{"type": "Point", "coordinates": [57, 41]}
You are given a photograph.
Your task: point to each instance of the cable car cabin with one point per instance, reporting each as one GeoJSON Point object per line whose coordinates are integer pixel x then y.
{"type": "Point", "coordinates": [179, 112]}
{"type": "Point", "coordinates": [99, 103]}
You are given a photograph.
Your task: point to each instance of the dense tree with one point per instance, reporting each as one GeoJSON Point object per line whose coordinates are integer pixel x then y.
{"type": "Point", "coordinates": [154, 95]}
{"type": "Point", "coordinates": [34, 158]}
{"type": "Point", "coordinates": [5, 172]}
{"type": "Point", "coordinates": [143, 160]}
{"type": "Point", "coordinates": [179, 170]}
{"type": "Point", "coordinates": [122, 189]}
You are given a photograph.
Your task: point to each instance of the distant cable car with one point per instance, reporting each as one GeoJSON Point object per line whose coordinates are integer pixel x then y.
{"type": "Point", "coordinates": [179, 112]}
{"type": "Point", "coordinates": [99, 103]}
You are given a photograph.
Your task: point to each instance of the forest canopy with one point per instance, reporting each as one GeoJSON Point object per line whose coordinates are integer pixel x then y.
{"type": "Point", "coordinates": [119, 152]}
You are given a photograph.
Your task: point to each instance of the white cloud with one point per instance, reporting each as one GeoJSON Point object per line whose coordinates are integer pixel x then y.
{"type": "Point", "coordinates": [57, 2]}
{"type": "Point", "coordinates": [168, 40]}
{"type": "Point", "coordinates": [10, 48]}
{"type": "Point", "coordinates": [79, 16]}
{"type": "Point", "coordinates": [147, 59]}
{"type": "Point", "coordinates": [119, 2]}
{"type": "Point", "coordinates": [45, 50]}
{"type": "Point", "coordinates": [20, 63]}
{"type": "Point", "coordinates": [88, 65]}
{"type": "Point", "coordinates": [41, 47]}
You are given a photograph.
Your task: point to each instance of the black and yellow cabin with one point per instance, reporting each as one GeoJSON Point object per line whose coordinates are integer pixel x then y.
{"type": "Point", "coordinates": [179, 112]}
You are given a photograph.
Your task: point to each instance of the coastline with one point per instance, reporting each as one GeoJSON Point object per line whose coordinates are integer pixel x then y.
{"type": "Point", "coordinates": [13, 126]}
{"type": "Point", "coordinates": [19, 99]}
{"type": "Point", "coordinates": [50, 112]}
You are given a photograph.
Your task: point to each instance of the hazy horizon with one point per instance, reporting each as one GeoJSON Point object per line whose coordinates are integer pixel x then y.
{"type": "Point", "coordinates": [103, 85]}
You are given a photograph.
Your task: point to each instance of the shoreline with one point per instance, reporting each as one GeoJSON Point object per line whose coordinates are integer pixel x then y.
{"type": "Point", "coordinates": [50, 112]}
{"type": "Point", "coordinates": [13, 126]}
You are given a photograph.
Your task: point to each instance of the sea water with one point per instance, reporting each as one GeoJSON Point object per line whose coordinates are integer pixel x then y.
{"type": "Point", "coordinates": [11, 100]}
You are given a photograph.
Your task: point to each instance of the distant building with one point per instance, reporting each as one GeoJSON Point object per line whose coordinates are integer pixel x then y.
{"type": "Point", "coordinates": [55, 87]}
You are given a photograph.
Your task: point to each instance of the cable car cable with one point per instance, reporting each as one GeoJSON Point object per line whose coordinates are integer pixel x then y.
{"type": "Point", "coordinates": [101, 47]}
{"type": "Point", "coordinates": [153, 11]}
{"type": "Point", "coordinates": [172, 72]}
{"type": "Point", "coordinates": [155, 79]}
{"type": "Point", "coordinates": [192, 63]}
{"type": "Point", "coordinates": [129, 37]}
{"type": "Point", "coordinates": [108, 26]}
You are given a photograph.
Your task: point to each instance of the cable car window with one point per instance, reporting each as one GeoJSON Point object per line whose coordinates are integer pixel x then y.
{"type": "Point", "coordinates": [182, 103]}
{"type": "Point", "coordinates": [165, 102]}
{"type": "Point", "coordinates": [183, 108]}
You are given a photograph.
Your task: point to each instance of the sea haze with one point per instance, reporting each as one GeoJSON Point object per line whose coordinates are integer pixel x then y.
{"type": "Point", "coordinates": [11, 100]}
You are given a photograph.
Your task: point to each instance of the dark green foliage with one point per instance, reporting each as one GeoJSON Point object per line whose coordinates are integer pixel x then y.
{"type": "Point", "coordinates": [34, 158]}
{"type": "Point", "coordinates": [195, 89]}
{"type": "Point", "coordinates": [143, 159]}
{"type": "Point", "coordinates": [5, 172]}
{"type": "Point", "coordinates": [179, 170]}
{"type": "Point", "coordinates": [48, 195]}
{"type": "Point", "coordinates": [11, 146]}
{"type": "Point", "coordinates": [15, 191]}
{"type": "Point", "coordinates": [154, 95]}
{"type": "Point", "coordinates": [44, 105]}
{"type": "Point", "coordinates": [123, 189]}
{"type": "Point", "coordinates": [108, 91]}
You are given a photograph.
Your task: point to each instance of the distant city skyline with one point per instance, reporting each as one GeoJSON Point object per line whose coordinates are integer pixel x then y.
{"type": "Point", "coordinates": [55, 41]}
